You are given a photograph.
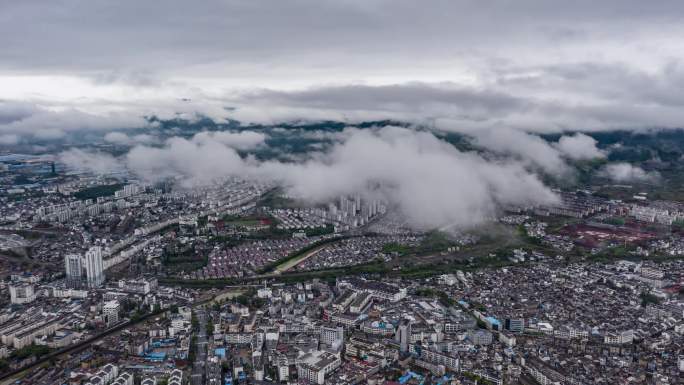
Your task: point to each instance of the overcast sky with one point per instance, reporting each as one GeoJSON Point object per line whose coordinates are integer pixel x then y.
{"type": "Point", "coordinates": [498, 71]}
{"type": "Point", "coordinates": [534, 65]}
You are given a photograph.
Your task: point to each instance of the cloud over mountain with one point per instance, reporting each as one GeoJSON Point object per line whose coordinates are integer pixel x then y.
{"type": "Point", "coordinates": [579, 146]}
{"type": "Point", "coordinates": [244, 140]}
{"type": "Point", "coordinates": [626, 173]}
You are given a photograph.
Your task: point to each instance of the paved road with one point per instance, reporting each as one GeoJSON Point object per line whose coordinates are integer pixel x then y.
{"type": "Point", "coordinates": [294, 262]}
{"type": "Point", "coordinates": [200, 364]}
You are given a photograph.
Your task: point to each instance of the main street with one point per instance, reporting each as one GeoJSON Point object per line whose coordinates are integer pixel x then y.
{"type": "Point", "coordinates": [201, 346]}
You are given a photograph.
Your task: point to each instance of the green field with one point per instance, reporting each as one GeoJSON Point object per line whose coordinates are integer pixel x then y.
{"type": "Point", "coordinates": [98, 191]}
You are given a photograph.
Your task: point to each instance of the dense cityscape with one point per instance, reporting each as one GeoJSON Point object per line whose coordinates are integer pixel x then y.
{"type": "Point", "coordinates": [341, 192]}
{"type": "Point", "coordinates": [111, 282]}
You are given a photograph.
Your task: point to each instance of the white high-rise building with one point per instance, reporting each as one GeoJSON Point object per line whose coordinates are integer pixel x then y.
{"type": "Point", "coordinates": [73, 266]}
{"type": "Point", "coordinates": [94, 267]}
{"type": "Point", "coordinates": [403, 335]}
{"type": "Point", "coordinates": [332, 335]}
{"type": "Point", "coordinates": [21, 293]}
{"type": "Point", "coordinates": [110, 311]}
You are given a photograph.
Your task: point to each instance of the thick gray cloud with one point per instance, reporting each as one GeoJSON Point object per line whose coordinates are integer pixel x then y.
{"type": "Point", "coordinates": [530, 65]}
{"type": "Point", "coordinates": [173, 34]}
{"type": "Point", "coordinates": [451, 106]}
{"type": "Point", "coordinates": [421, 98]}
{"type": "Point", "coordinates": [8, 139]}
{"type": "Point", "coordinates": [15, 111]}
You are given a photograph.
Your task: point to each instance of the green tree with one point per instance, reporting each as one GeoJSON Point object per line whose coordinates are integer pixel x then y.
{"type": "Point", "coordinates": [210, 326]}
{"type": "Point", "coordinates": [648, 298]}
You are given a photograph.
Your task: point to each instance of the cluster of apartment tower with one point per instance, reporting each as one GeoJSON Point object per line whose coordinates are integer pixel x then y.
{"type": "Point", "coordinates": [85, 270]}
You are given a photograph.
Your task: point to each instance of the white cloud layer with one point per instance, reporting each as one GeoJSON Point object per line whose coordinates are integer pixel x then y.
{"type": "Point", "coordinates": [244, 140]}
{"type": "Point", "coordinates": [625, 173]}
{"type": "Point", "coordinates": [121, 138]}
{"type": "Point", "coordinates": [432, 182]}
{"type": "Point", "coordinates": [530, 148]}
{"type": "Point", "coordinates": [579, 147]}
{"type": "Point", "coordinates": [96, 162]}
{"type": "Point", "coordinates": [30, 121]}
